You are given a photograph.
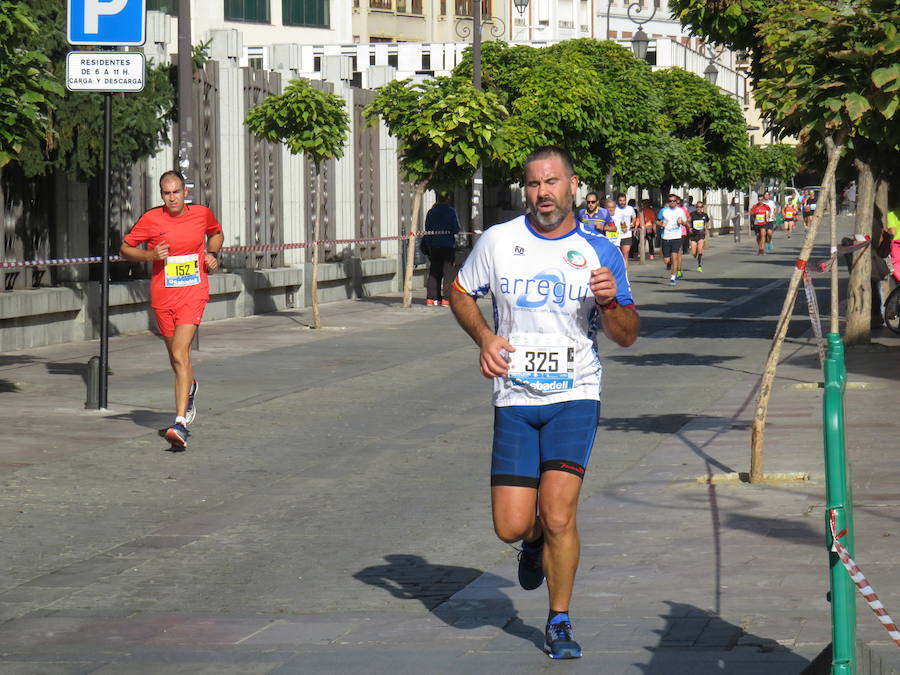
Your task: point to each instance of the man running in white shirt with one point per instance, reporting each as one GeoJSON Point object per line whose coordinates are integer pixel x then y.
{"type": "Point", "coordinates": [555, 284]}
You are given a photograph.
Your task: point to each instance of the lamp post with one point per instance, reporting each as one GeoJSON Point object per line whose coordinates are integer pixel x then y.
{"type": "Point", "coordinates": [634, 8]}
{"type": "Point", "coordinates": [711, 73]}
{"type": "Point", "coordinates": [497, 29]}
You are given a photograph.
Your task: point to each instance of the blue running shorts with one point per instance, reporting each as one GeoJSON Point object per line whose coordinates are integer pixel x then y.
{"type": "Point", "coordinates": [531, 439]}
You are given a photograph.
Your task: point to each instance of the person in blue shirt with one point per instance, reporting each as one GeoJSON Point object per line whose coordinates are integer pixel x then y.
{"type": "Point", "coordinates": [439, 244]}
{"type": "Point", "coordinates": [594, 215]}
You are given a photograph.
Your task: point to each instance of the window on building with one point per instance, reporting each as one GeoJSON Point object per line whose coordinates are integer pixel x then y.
{"type": "Point", "coordinates": [167, 6]}
{"type": "Point", "coordinates": [247, 10]}
{"type": "Point", "coordinates": [306, 13]}
{"type": "Point", "coordinates": [381, 4]}
{"type": "Point", "coordinates": [464, 8]}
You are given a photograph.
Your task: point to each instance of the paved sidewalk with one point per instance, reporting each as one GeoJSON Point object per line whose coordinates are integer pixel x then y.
{"type": "Point", "coordinates": [684, 569]}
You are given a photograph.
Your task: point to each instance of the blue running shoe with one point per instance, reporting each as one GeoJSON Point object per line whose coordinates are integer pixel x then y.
{"type": "Point", "coordinates": [531, 567]}
{"type": "Point", "coordinates": [191, 413]}
{"type": "Point", "coordinates": [559, 642]}
{"type": "Point", "coordinates": [177, 436]}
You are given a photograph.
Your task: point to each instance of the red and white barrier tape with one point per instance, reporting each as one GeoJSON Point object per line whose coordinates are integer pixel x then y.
{"type": "Point", "coordinates": [825, 265]}
{"type": "Point", "coordinates": [262, 248]}
{"type": "Point", "coordinates": [862, 583]}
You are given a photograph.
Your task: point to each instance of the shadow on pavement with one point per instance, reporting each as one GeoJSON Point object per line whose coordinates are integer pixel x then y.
{"type": "Point", "coordinates": [691, 633]}
{"type": "Point", "coordinates": [412, 577]}
{"type": "Point", "coordinates": [152, 419]}
{"type": "Point", "coordinates": [671, 359]}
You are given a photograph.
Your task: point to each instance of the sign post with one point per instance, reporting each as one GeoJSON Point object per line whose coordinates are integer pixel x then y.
{"type": "Point", "coordinates": [105, 23]}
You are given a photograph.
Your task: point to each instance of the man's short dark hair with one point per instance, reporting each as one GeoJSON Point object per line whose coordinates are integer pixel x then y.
{"type": "Point", "coordinates": [620, 195]}
{"type": "Point", "coordinates": [171, 174]}
{"type": "Point", "coordinates": [550, 151]}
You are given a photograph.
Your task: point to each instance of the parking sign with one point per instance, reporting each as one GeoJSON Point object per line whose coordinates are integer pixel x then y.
{"type": "Point", "coordinates": [107, 23]}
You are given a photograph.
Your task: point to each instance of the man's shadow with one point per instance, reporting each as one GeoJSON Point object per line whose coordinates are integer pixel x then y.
{"type": "Point", "coordinates": [411, 577]}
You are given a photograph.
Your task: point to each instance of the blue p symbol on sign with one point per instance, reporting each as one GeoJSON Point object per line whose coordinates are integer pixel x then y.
{"type": "Point", "coordinates": [106, 22]}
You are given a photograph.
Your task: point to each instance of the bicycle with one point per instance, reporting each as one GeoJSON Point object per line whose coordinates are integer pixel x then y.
{"type": "Point", "coordinates": [892, 310]}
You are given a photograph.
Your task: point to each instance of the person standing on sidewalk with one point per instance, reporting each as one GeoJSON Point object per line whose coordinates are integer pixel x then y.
{"type": "Point", "coordinates": [439, 244]}
{"type": "Point", "coordinates": [555, 283]}
{"type": "Point", "coordinates": [183, 241]}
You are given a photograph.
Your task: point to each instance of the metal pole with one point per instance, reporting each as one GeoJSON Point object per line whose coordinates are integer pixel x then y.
{"type": "Point", "coordinates": [839, 500]}
{"type": "Point", "coordinates": [185, 92]}
{"type": "Point", "coordinates": [477, 181]}
{"type": "Point", "coordinates": [104, 279]}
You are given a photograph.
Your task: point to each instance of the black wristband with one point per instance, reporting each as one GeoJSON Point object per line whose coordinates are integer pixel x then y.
{"type": "Point", "coordinates": [214, 254]}
{"type": "Point", "coordinates": [612, 304]}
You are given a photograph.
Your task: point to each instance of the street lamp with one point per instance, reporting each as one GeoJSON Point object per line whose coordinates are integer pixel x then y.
{"type": "Point", "coordinates": [711, 73]}
{"type": "Point", "coordinates": [635, 7]}
{"type": "Point", "coordinates": [640, 43]}
{"type": "Point", "coordinates": [497, 28]}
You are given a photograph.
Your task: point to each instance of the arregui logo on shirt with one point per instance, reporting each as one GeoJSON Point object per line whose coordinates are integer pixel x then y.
{"type": "Point", "coordinates": [576, 260]}
{"type": "Point", "coordinates": [547, 286]}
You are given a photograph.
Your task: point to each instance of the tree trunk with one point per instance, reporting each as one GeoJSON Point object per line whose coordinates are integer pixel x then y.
{"type": "Point", "coordinates": [859, 287]}
{"type": "Point", "coordinates": [835, 146]}
{"type": "Point", "coordinates": [317, 233]}
{"type": "Point", "coordinates": [411, 244]}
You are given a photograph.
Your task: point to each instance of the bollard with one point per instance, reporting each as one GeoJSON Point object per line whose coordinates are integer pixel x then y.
{"type": "Point", "coordinates": [838, 500]}
{"type": "Point", "coordinates": [92, 402]}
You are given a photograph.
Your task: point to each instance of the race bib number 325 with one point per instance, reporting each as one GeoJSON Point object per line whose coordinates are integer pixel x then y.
{"type": "Point", "coordinates": [182, 270]}
{"type": "Point", "coordinates": [544, 363]}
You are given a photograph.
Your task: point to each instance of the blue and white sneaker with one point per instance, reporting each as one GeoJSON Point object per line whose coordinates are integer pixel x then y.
{"type": "Point", "coordinates": [191, 413]}
{"type": "Point", "coordinates": [559, 642]}
{"type": "Point", "coordinates": [177, 436]}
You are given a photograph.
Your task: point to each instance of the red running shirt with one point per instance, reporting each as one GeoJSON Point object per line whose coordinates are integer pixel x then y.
{"type": "Point", "coordinates": [760, 214]}
{"type": "Point", "coordinates": [181, 277]}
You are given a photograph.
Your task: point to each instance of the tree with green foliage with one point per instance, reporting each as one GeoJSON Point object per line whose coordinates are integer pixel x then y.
{"type": "Point", "coordinates": [26, 83]}
{"type": "Point", "coordinates": [705, 134]}
{"type": "Point", "coordinates": [140, 119]}
{"type": "Point", "coordinates": [833, 66]}
{"type": "Point", "coordinates": [310, 122]}
{"type": "Point", "coordinates": [593, 98]}
{"type": "Point", "coordinates": [445, 130]}
{"type": "Point", "coordinates": [778, 162]}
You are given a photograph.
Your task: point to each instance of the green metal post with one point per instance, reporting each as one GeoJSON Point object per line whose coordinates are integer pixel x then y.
{"type": "Point", "coordinates": [838, 499]}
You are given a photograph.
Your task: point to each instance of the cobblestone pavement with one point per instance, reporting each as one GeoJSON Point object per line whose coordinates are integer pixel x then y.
{"type": "Point", "coordinates": [331, 512]}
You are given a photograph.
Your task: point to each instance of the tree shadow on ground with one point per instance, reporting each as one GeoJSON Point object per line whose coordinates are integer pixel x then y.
{"type": "Point", "coordinates": [701, 641]}
{"type": "Point", "coordinates": [670, 359]}
{"type": "Point", "coordinates": [412, 577]}
{"type": "Point", "coordinates": [151, 419]}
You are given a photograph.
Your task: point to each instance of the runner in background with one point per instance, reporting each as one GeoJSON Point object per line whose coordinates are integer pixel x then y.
{"type": "Point", "coordinates": [183, 241]}
{"type": "Point", "coordinates": [625, 219]}
{"type": "Point", "coordinates": [699, 226]}
{"type": "Point", "coordinates": [790, 214]}
{"type": "Point", "coordinates": [670, 221]}
{"type": "Point", "coordinates": [760, 221]}
{"type": "Point", "coordinates": [648, 214]}
{"type": "Point", "coordinates": [594, 215]}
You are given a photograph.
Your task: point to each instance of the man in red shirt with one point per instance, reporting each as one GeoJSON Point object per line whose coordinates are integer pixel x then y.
{"type": "Point", "coordinates": [183, 241]}
{"type": "Point", "coordinates": [761, 222]}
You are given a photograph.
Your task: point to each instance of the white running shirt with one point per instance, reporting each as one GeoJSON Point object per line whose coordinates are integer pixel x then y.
{"type": "Point", "coordinates": [670, 217]}
{"type": "Point", "coordinates": [544, 306]}
{"type": "Point", "coordinates": [623, 217]}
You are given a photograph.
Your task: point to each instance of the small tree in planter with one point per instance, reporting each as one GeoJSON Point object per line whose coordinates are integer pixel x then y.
{"type": "Point", "coordinates": [310, 122]}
